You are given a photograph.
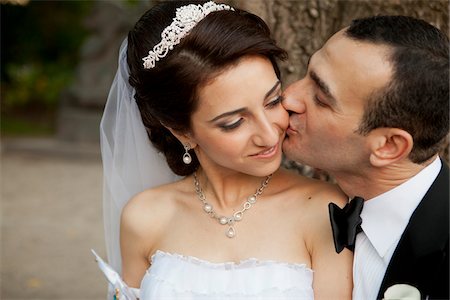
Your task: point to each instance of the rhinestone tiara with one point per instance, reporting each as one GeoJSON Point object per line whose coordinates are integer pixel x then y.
{"type": "Point", "coordinates": [185, 19]}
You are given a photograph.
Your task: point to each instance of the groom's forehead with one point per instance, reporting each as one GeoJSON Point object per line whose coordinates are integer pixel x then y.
{"type": "Point", "coordinates": [347, 71]}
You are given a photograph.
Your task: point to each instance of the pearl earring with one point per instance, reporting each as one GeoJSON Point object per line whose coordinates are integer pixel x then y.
{"type": "Point", "coordinates": [187, 159]}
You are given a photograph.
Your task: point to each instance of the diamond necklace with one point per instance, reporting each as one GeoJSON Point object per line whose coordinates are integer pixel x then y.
{"type": "Point", "coordinates": [237, 216]}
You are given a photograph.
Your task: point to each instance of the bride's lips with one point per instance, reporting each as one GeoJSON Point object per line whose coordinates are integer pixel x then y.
{"type": "Point", "coordinates": [267, 153]}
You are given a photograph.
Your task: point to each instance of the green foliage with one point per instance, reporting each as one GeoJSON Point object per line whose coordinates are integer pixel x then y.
{"type": "Point", "coordinates": [17, 126]}
{"type": "Point", "coordinates": [35, 83]}
{"type": "Point", "coordinates": [132, 2]}
{"type": "Point", "coordinates": [40, 47]}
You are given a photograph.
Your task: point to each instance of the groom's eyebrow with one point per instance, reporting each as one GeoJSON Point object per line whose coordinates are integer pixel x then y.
{"type": "Point", "coordinates": [323, 87]}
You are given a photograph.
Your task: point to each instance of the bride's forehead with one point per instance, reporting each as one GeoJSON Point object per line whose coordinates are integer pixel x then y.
{"type": "Point", "coordinates": [248, 80]}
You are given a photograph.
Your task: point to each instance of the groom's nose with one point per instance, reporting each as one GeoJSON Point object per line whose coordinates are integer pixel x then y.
{"type": "Point", "coordinates": [293, 102]}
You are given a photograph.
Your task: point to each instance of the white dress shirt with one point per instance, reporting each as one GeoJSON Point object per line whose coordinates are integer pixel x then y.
{"type": "Point", "coordinates": [384, 218]}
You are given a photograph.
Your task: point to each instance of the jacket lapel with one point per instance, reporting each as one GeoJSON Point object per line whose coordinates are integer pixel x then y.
{"type": "Point", "coordinates": [421, 257]}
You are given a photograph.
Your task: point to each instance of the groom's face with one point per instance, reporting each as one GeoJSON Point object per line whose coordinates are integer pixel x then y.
{"type": "Point", "coordinates": [327, 105]}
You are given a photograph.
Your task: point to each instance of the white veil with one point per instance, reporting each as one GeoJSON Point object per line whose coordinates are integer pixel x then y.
{"type": "Point", "coordinates": [130, 163]}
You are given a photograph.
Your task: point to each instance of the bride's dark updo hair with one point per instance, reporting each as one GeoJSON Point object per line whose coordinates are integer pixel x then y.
{"type": "Point", "coordinates": [168, 93]}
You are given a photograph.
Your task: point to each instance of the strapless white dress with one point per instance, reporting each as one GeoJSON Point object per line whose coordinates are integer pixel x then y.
{"type": "Point", "coordinates": [174, 276]}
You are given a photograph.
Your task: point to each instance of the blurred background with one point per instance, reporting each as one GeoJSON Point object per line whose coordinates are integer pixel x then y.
{"type": "Point", "coordinates": [58, 59]}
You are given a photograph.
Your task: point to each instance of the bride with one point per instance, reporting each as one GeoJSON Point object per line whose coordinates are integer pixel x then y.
{"type": "Point", "coordinates": [201, 82]}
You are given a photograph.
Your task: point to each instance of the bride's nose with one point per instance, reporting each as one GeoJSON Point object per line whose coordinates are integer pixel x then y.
{"type": "Point", "coordinates": [266, 133]}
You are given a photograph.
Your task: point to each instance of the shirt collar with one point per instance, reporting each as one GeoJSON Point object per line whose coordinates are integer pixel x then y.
{"type": "Point", "coordinates": [383, 223]}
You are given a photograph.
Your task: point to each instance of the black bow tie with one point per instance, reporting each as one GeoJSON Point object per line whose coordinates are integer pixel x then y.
{"type": "Point", "coordinates": [346, 223]}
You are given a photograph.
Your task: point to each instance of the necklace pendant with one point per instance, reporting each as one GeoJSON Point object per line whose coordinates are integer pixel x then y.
{"type": "Point", "coordinates": [230, 232]}
{"type": "Point", "coordinates": [237, 216]}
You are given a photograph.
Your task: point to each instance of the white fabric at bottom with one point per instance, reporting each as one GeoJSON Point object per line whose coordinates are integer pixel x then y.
{"type": "Point", "coordinates": [174, 276]}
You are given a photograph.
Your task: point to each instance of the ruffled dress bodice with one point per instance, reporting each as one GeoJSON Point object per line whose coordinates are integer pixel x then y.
{"type": "Point", "coordinates": [183, 277]}
{"type": "Point", "coordinates": [174, 276]}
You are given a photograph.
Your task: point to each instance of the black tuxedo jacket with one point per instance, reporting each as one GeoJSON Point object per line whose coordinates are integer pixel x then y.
{"type": "Point", "coordinates": [421, 256]}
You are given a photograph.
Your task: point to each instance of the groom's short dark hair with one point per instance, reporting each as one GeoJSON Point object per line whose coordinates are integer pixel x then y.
{"type": "Point", "coordinates": [417, 98]}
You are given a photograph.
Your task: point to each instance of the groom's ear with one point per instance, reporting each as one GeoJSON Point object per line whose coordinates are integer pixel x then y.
{"type": "Point", "coordinates": [183, 137]}
{"type": "Point", "coordinates": [389, 145]}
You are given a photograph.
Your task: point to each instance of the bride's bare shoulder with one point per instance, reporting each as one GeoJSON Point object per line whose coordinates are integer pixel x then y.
{"type": "Point", "coordinates": [151, 210]}
{"type": "Point", "coordinates": [306, 188]}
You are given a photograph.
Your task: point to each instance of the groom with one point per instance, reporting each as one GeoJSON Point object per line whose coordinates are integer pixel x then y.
{"type": "Point", "coordinates": [373, 111]}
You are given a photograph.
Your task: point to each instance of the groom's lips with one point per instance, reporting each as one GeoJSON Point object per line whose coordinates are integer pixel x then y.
{"type": "Point", "coordinates": [291, 131]}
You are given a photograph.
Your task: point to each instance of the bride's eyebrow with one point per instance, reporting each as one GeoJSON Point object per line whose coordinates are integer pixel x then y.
{"type": "Point", "coordinates": [229, 113]}
{"type": "Point", "coordinates": [244, 109]}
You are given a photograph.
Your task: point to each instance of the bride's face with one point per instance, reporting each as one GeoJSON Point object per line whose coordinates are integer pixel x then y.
{"type": "Point", "coordinates": [240, 123]}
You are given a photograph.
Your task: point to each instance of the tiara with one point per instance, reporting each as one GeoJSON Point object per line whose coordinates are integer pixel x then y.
{"type": "Point", "coordinates": [185, 19]}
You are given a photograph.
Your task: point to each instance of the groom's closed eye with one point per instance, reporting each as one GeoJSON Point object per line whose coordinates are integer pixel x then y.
{"type": "Point", "coordinates": [329, 99]}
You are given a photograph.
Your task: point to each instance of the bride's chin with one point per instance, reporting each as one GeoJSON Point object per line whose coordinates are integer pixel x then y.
{"type": "Point", "coordinates": [270, 168]}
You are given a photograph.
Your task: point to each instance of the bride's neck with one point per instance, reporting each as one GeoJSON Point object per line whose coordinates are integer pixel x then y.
{"type": "Point", "coordinates": [227, 190]}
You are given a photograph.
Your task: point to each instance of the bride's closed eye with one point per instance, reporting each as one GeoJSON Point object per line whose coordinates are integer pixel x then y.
{"type": "Point", "coordinates": [231, 126]}
{"type": "Point", "coordinates": [235, 124]}
{"type": "Point", "coordinates": [275, 102]}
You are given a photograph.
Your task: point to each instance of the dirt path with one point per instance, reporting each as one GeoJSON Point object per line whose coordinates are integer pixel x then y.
{"type": "Point", "coordinates": [51, 215]}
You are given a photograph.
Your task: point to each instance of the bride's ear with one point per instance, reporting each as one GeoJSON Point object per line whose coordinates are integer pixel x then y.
{"type": "Point", "coordinates": [184, 138]}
